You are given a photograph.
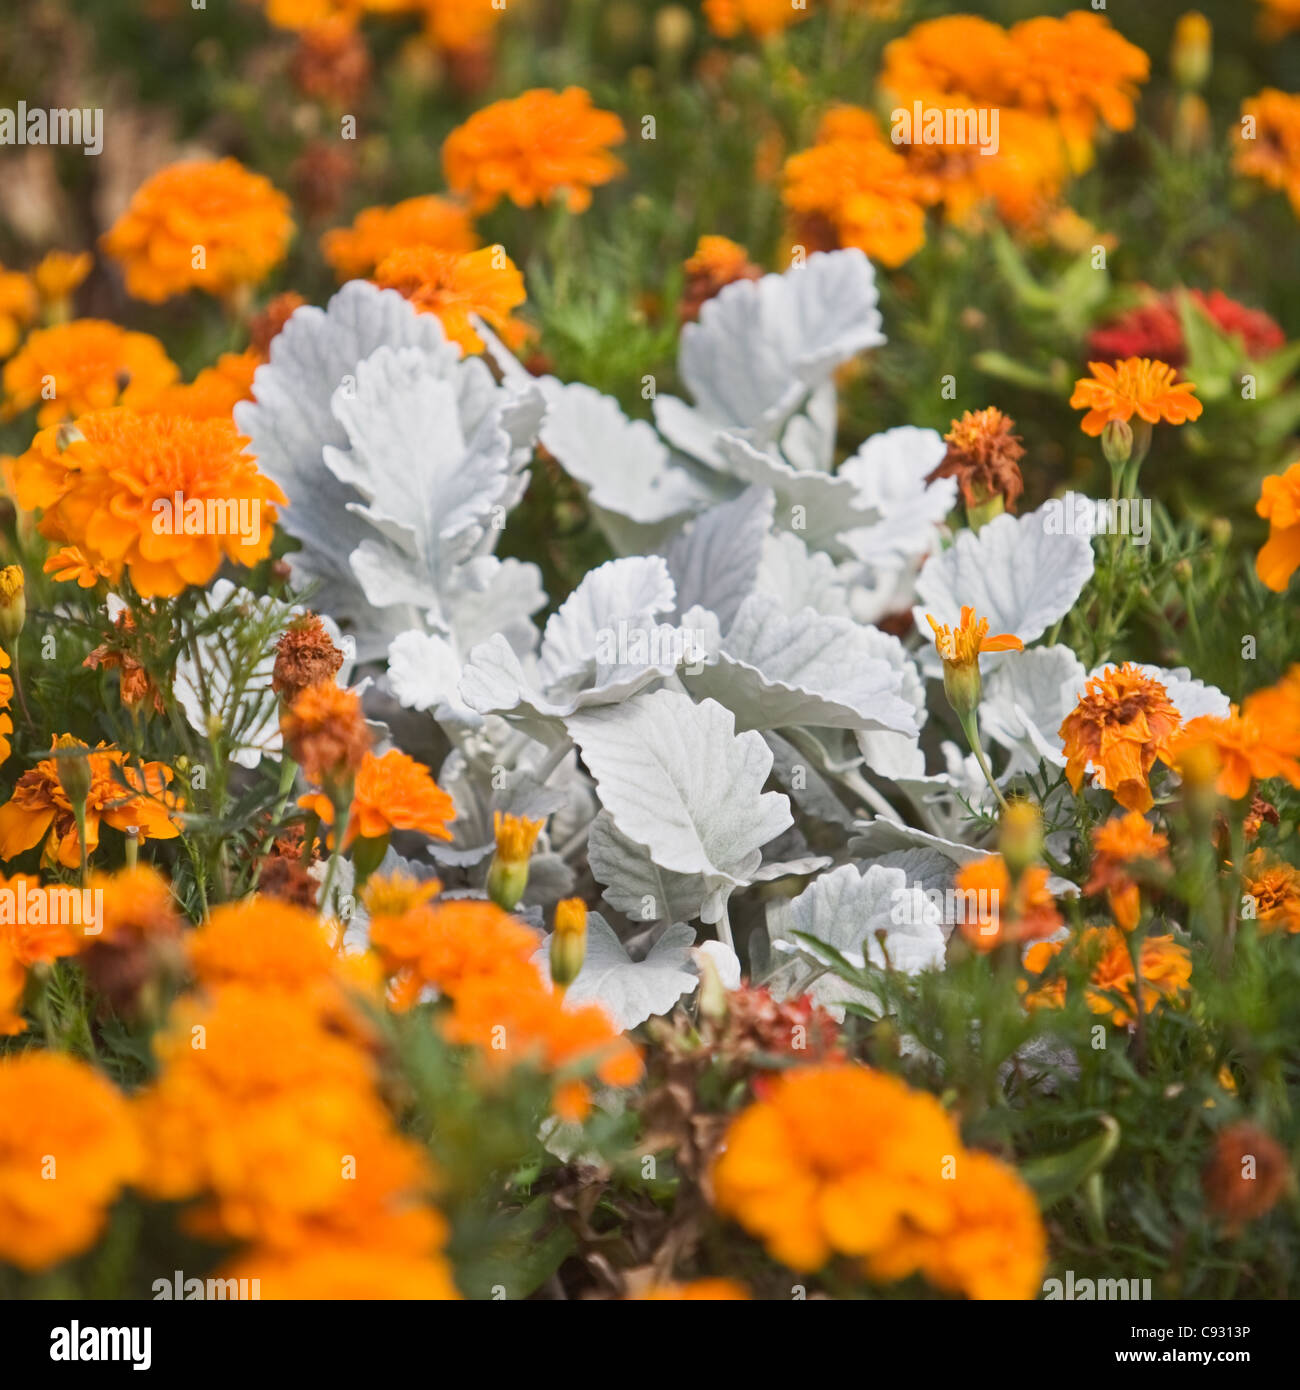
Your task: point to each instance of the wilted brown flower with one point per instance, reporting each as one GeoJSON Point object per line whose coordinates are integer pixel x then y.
{"type": "Point", "coordinates": [1246, 1175]}
{"type": "Point", "coordinates": [984, 456]}
{"type": "Point", "coordinates": [325, 733]}
{"type": "Point", "coordinates": [717, 262]}
{"type": "Point", "coordinates": [304, 656]}
{"type": "Point", "coordinates": [320, 176]}
{"type": "Point", "coordinates": [266, 325]}
{"type": "Point", "coordinates": [134, 683]}
{"type": "Point", "coordinates": [332, 63]}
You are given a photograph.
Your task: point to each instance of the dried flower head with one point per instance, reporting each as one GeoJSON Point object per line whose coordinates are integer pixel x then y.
{"type": "Point", "coordinates": [984, 456]}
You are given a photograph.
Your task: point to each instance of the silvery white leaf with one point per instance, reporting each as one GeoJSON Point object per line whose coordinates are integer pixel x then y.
{"type": "Point", "coordinates": [809, 790]}
{"type": "Point", "coordinates": [714, 562]}
{"type": "Point", "coordinates": [887, 753]}
{"type": "Point", "coordinates": [633, 592]}
{"type": "Point", "coordinates": [817, 506]}
{"type": "Point", "coordinates": [809, 439]}
{"type": "Point", "coordinates": [290, 423]}
{"type": "Point", "coordinates": [1015, 572]}
{"type": "Point", "coordinates": [756, 340]}
{"type": "Point", "coordinates": [634, 884]}
{"type": "Point", "coordinates": [1025, 700]}
{"type": "Point", "coordinates": [424, 672]}
{"type": "Point", "coordinates": [774, 670]}
{"type": "Point", "coordinates": [800, 578]}
{"type": "Point", "coordinates": [881, 836]}
{"type": "Point", "coordinates": [676, 777]}
{"type": "Point", "coordinates": [631, 991]}
{"type": "Point", "coordinates": [791, 868]}
{"type": "Point", "coordinates": [724, 960]}
{"type": "Point", "coordinates": [623, 464]}
{"type": "Point", "coordinates": [890, 470]}
{"type": "Point", "coordinates": [486, 596]}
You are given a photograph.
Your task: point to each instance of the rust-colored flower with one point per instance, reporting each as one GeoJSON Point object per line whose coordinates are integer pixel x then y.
{"type": "Point", "coordinates": [139, 938]}
{"type": "Point", "coordinates": [164, 498]}
{"type": "Point", "coordinates": [716, 263]}
{"type": "Point", "coordinates": [1247, 1174]}
{"type": "Point", "coordinates": [135, 685]}
{"type": "Point", "coordinates": [1122, 846]}
{"type": "Point", "coordinates": [74, 368]}
{"type": "Point", "coordinates": [1268, 142]}
{"type": "Point", "coordinates": [1154, 328]}
{"type": "Point", "coordinates": [121, 795]}
{"type": "Point", "coordinates": [332, 63]}
{"type": "Point", "coordinates": [984, 456]}
{"type": "Point", "coordinates": [455, 286]}
{"type": "Point", "coordinates": [1242, 749]}
{"type": "Point", "coordinates": [210, 225]}
{"type": "Point", "coordinates": [532, 149]}
{"type": "Point", "coordinates": [326, 734]}
{"type": "Point", "coordinates": [1123, 722]}
{"type": "Point", "coordinates": [67, 1147]}
{"type": "Point", "coordinates": [1279, 504]}
{"type": "Point", "coordinates": [1136, 386]}
{"type": "Point", "coordinates": [321, 177]}
{"type": "Point", "coordinates": [305, 656]}
{"type": "Point", "coordinates": [378, 231]}
{"type": "Point", "coordinates": [992, 911]}
{"type": "Point", "coordinates": [392, 792]}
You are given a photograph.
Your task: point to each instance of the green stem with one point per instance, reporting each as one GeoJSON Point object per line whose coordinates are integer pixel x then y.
{"type": "Point", "coordinates": [970, 727]}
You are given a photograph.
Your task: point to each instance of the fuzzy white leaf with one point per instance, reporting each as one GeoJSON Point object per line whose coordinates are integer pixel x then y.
{"type": "Point", "coordinates": [715, 562]}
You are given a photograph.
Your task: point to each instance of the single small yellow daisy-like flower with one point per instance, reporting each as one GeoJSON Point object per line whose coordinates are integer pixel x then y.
{"type": "Point", "coordinates": [963, 645]}
{"type": "Point", "coordinates": [1137, 386]}
{"type": "Point", "coordinates": [515, 836]}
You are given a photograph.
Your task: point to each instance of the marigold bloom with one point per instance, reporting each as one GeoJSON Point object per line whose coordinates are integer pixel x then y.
{"type": "Point", "coordinates": [1275, 887]}
{"type": "Point", "coordinates": [995, 1246]}
{"type": "Point", "coordinates": [1079, 70]}
{"type": "Point", "coordinates": [18, 305]}
{"type": "Point", "coordinates": [111, 494]}
{"type": "Point", "coordinates": [984, 456]}
{"type": "Point", "coordinates": [1137, 385]}
{"type": "Point", "coordinates": [1123, 722]}
{"type": "Point", "coordinates": [138, 906]}
{"type": "Point", "coordinates": [515, 836]}
{"type": "Point", "coordinates": [325, 733]}
{"type": "Point", "coordinates": [1242, 748]}
{"type": "Point", "coordinates": [994, 912]}
{"type": "Point", "coordinates": [214, 393]}
{"type": "Point", "coordinates": [13, 984]}
{"type": "Point", "coordinates": [532, 149]}
{"type": "Point", "coordinates": [1279, 17]}
{"type": "Point", "coordinates": [6, 695]}
{"type": "Point", "coordinates": [762, 18]}
{"type": "Point", "coordinates": [67, 1147]}
{"type": "Point", "coordinates": [1247, 1174]}
{"type": "Point", "coordinates": [94, 365]}
{"type": "Point", "coordinates": [121, 795]}
{"type": "Point", "coordinates": [58, 274]}
{"type": "Point", "coordinates": [964, 644]}
{"type": "Point", "coordinates": [1118, 844]}
{"type": "Point", "coordinates": [960, 54]}
{"type": "Point", "coordinates": [391, 792]}
{"type": "Point", "coordinates": [716, 263]}
{"type": "Point", "coordinates": [1279, 504]}
{"type": "Point", "coordinates": [454, 286]}
{"type": "Point", "coordinates": [1271, 150]}
{"type": "Point", "coordinates": [1166, 971]}
{"type": "Point", "coordinates": [697, 1291]}
{"type": "Point", "coordinates": [333, 1271]}
{"type": "Point", "coordinates": [456, 26]}
{"type": "Point", "coordinates": [236, 218]}
{"type": "Point", "coordinates": [377, 232]}
{"type": "Point", "coordinates": [305, 655]}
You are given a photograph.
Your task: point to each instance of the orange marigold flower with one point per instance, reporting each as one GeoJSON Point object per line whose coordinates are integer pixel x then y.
{"type": "Point", "coordinates": [1274, 887]}
{"type": "Point", "coordinates": [1123, 722]}
{"type": "Point", "coordinates": [1279, 504]}
{"type": "Point", "coordinates": [13, 984]}
{"type": "Point", "coordinates": [532, 149]}
{"type": "Point", "coordinates": [454, 286]}
{"type": "Point", "coordinates": [325, 733]}
{"type": "Point", "coordinates": [1119, 844]}
{"type": "Point", "coordinates": [236, 218]}
{"type": "Point", "coordinates": [459, 25]}
{"type": "Point", "coordinates": [138, 906]}
{"type": "Point", "coordinates": [1166, 971]}
{"type": "Point", "coordinates": [697, 1291]}
{"type": "Point", "coordinates": [214, 393]}
{"type": "Point", "coordinates": [1270, 151]}
{"type": "Point", "coordinates": [391, 792]}
{"type": "Point", "coordinates": [67, 1148]}
{"type": "Point", "coordinates": [305, 656]}
{"type": "Point", "coordinates": [93, 365]}
{"type": "Point", "coordinates": [865, 190]}
{"type": "Point", "coordinates": [963, 645]}
{"type": "Point", "coordinates": [761, 18]}
{"type": "Point", "coordinates": [1079, 70]}
{"type": "Point", "coordinates": [1247, 1174]}
{"type": "Point", "coordinates": [960, 54]}
{"type": "Point", "coordinates": [121, 795]}
{"type": "Point", "coordinates": [1279, 17]}
{"type": "Point", "coordinates": [993, 912]}
{"type": "Point", "coordinates": [18, 305]}
{"type": "Point", "coordinates": [984, 456]}
{"type": "Point", "coordinates": [333, 1271]}
{"type": "Point", "coordinates": [1241, 748]}
{"type": "Point", "coordinates": [58, 274]}
{"type": "Point", "coordinates": [162, 497]}
{"type": "Point", "coordinates": [6, 695]}
{"type": "Point", "coordinates": [716, 263]}
{"type": "Point", "coordinates": [1051, 994]}
{"type": "Point", "coordinates": [1137, 385]}
{"type": "Point", "coordinates": [994, 1246]}
{"type": "Point", "coordinates": [379, 231]}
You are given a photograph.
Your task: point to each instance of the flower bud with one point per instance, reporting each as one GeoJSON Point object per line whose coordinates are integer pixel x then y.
{"type": "Point", "coordinates": [508, 873]}
{"type": "Point", "coordinates": [568, 941]}
{"type": "Point", "coordinates": [73, 762]}
{"type": "Point", "coordinates": [1190, 55]}
{"type": "Point", "coordinates": [1117, 442]}
{"type": "Point", "coordinates": [13, 603]}
{"type": "Point", "coordinates": [1020, 837]}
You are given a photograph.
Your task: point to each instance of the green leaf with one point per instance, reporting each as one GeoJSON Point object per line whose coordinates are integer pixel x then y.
{"type": "Point", "coordinates": [1058, 1175]}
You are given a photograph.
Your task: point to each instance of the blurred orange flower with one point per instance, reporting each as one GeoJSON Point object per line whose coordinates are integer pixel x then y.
{"type": "Point", "coordinates": [1279, 504]}
{"type": "Point", "coordinates": [454, 286]}
{"type": "Point", "coordinates": [376, 232]}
